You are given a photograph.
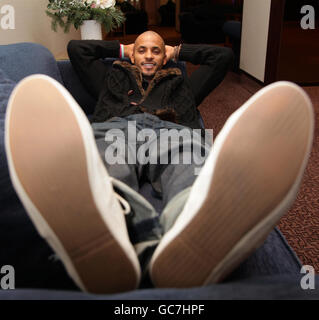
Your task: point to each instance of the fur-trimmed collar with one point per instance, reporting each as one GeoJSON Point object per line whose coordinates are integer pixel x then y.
{"type": "Point", "coordinates": [159, 75]}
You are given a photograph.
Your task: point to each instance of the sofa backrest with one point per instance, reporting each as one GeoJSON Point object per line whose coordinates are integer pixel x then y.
{"type": "Point", "coordinates": [73, 84]}
{"type": "Point", "coordinates": [20, 60]}
{"type": "Point", "coordinates": [84, 99]}
{"type": "Point", "coordinates": [23, 59]}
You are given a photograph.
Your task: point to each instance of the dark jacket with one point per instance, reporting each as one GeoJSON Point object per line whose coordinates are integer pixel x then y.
{"type": "Point", "coordinates": [171, 96]}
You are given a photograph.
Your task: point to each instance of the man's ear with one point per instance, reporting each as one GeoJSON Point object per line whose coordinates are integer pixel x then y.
{"type": "Point", "coordinates": [165, 60]}
{"type": "Point", "coordinates": [132, 58]}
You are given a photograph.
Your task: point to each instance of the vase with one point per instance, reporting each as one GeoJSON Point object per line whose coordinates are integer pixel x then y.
{"type": "Point", "coordinates": [91, 30]}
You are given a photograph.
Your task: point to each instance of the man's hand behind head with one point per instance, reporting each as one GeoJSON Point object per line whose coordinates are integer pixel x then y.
{"type": "Point", "coordinates": [128, 50]}
{"type": "Point", "coordinates": [169, 52]}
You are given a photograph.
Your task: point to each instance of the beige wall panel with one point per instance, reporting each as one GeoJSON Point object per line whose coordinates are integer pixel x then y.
{"type": "Point", "coordinates": [33, 25]}
{"type": "Point", "coordinates": [256, 14]}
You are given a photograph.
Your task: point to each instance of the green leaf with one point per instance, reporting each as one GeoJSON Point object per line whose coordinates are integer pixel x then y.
{"type": "Point", "coordinates": [75, 13]}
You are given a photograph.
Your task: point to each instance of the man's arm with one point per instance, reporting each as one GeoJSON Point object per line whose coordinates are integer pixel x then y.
{"type": "Point", "coordinates": [85, 56]}
{"type": "Point", "coordinates": [214, 64]}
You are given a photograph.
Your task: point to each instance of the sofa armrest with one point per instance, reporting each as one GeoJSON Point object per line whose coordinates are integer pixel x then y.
{"type": "Point", "coordinates": [232, 29]}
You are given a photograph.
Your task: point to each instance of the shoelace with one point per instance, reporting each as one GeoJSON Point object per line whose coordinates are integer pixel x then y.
{"type": "Point", "coordinates": [125, 205]}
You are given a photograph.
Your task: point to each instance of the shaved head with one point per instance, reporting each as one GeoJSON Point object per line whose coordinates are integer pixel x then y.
{"type": "Point", "coordinates": [149, 53]}
{"type": "Point", "coordinates": [150, 35]}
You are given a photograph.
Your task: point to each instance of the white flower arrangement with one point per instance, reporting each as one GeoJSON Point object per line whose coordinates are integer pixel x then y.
{"type": "Point", "coordinates": [65, 13]}
{"type": "Point", "coordinates": [103, 4]}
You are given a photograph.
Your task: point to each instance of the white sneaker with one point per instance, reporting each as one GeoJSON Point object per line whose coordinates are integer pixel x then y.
{"type": "Point", "coordinates": [62, 182]}
{"type": "Point", "coordinates": [249, 180]}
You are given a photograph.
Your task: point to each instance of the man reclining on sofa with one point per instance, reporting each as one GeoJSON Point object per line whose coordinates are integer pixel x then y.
{"type": "Point", "coordinates": [213, 221]}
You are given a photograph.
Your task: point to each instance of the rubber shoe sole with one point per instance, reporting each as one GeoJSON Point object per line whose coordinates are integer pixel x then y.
{"type": "Point", "coordinates": [249, 180]}
{"type": "Point", "coordinates": [61, 180]}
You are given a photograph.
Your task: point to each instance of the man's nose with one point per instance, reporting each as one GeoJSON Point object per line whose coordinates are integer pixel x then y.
{"type": "Point", "coordinates": [148, 54]}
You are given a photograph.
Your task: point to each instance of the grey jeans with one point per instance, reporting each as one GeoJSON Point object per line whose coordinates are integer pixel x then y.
{"type": "Point", "coordinates": [140, 149]}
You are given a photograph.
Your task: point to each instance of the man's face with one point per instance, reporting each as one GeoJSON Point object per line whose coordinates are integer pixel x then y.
{"type": "Point", "coordinates": [149, 54]}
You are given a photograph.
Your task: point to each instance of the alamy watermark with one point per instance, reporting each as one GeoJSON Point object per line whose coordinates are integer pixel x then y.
{"type": "Point", "coordinates": [164, 146]}
{"type": "Point", "coordinates": [7, 277]}
{"type": "Point", "coordinates": [7, 17]}
{"type": "Point", "coordinates": [308, 21]}
{"type": "Point", "coordinates": [307, 282]}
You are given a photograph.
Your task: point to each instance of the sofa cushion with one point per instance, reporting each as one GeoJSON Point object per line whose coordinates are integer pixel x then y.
{"type": "Point", "coordinates": [7, 191]}
{"type": "Point", "coordinates": [276, 287]}
{"type": "Point", "coordinates": [20, 244]}
{"type": "Point", "coordinates": [73, 84]}
{"type": "Point", "coordinates": [23, 59]}
{"type": "Point", "coordinates": [6, 87]}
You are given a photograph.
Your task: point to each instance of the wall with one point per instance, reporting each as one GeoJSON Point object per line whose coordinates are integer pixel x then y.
{"type": "Point", "coordinates": [33, 25]}
{"type": "Point", "coordinates": [256, 14]}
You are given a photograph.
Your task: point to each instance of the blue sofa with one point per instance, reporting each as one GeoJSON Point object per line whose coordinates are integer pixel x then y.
{"type": "Point", "coordinates": [272, 272]}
